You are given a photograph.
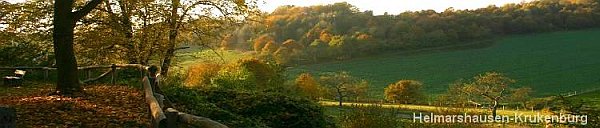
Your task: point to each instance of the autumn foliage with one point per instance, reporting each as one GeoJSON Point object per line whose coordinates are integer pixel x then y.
{"type": "Point", "coordinates": [201, 74]}
{"type": "Point", "coordinates": [103, 106]}
{"type": "Point", "coordinates": [404, 91]}
{"type": "Point", "coordinates": [308, 86]}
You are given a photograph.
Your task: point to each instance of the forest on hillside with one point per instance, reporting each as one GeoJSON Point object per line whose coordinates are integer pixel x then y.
{"type": "Point", "coordinates": [293, 34]}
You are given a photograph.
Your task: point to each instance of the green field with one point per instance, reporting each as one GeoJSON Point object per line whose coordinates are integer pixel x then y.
{"type": "Point", "coordinates": [550, 63]}
{"type": "Point", "coordinates": [590, 99]}
{"type": "Point", "coordinates": [195, 54]}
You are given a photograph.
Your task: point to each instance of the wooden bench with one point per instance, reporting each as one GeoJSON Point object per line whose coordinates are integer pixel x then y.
{"type": "Point", "coordinates": [16, 80]}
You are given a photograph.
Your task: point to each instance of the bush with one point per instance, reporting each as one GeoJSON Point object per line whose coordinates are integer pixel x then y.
{"type": "Point", "coordinates": [193, 102]}
{"type": "Point", "coordinates": [245, 109]}
{"type": "Point", "coordinates": [307, 86]}
{"type": "Point", "coordinates": [25, 50]}
{"type": "Point", "coordinates": [200, 74]}
{"type": "Point", "coordinates": [272, 108]}
{"type": "Point", "coordinates": [404, 91]}
{"type": "Point", "coordinates": [250, 74]}
{"type": "Point", "coordinates": [369, 117]}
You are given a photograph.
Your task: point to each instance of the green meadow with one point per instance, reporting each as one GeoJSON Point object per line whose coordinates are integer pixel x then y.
{"type": "Point", "coordinates": [590, 99]}
{"type": "Point", "coordinates": [549, 63]}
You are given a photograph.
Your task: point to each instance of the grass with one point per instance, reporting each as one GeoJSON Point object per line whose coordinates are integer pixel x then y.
{"type": "Point", "coordinates": [424, 108]}
{"type": "Point", "coordinates": [590, 99]}
{"type": "Point", "coordinates": [549, 63]}
{"type": "Point", "coordinates": [194, 55]}
{"type": "Point", "coordinates": [387, 115]}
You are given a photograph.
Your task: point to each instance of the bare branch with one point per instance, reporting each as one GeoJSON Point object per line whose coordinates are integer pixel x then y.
{"type": "Point", "coordinates": [86, 9]}
{"type": "Point", "coordinates": [214, 51]}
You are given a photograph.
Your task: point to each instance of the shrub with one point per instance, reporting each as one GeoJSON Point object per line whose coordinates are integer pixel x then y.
{"type": "Point", "coordinates": [372, 116]}
{"type": "Point", "coordinates": [237, 108]}
{"type": "Point", "coordinates": [193, 102]}
{"type": "Point", "coordinates": [200, 74]}
{"type": "Point", "coordinates": [308, 86]}
{"type": "Point", "coordinates": [25, 50]}
{"type": "Point", "coordinates": [404, 91]}
{"type": "Point", "coordinates": [250, 74]}
{"type": "Point", "coordinates": [272, 108]}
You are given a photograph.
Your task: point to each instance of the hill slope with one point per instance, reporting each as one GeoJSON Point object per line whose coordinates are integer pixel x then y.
{"type": "Point", "coordinates": [550, 63]}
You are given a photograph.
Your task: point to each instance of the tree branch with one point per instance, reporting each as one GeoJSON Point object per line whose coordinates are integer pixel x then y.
{"type": "Point", "coordinates": [86, 9]}
{"type": "Point", "coordinates": [214, 51]}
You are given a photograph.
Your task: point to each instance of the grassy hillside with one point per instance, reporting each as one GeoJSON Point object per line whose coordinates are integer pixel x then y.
{"type": "Point", "coordinates": [591, 99]}
{"type": "Point", "coordinates": [550, 63]}
{"type": "Point", "coordinates": [187, 57]}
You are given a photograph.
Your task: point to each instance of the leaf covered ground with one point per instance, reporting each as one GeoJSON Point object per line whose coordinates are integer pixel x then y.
{"type": "Point", "coordinates": [101, 106]}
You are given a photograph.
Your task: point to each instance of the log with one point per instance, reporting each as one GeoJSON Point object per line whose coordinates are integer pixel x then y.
{"type": "Point", "coordinates": [158, 116]}
{"type": "Point", "coordinates": [15, 68]}
{"type": "Point", "coordinates": [93, 67]}
{"type": "Point", "coordinates": [195, 121]}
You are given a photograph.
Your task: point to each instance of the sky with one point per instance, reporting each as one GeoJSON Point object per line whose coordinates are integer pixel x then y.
{"type": "Point", "coordinates": [381, 6]}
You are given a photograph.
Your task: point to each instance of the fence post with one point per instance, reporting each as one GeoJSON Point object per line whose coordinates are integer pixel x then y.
{"type": "Point", "coordinates": [172, 118]}
{"type": "Point", "coordinates": [113, 67]}
{"type": "Point", "coordinates": [46, 73]}
{"type": "Point", "coordinates": [88, 74]}
{"type": "Point", "coordinates": [141, 71]}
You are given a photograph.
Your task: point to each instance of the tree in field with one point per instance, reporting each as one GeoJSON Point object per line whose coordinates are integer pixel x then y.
{"type": "Point", "coordinates": [455, 95]}
{"type": "Point", "coordinates": [492, 87]}
{"type": "Point", "coordinates": [64, 25]}
{"type": "Point", "coordinates": [520, 95]}
{"type": "Point", "coordinates": [341, 85]}
{"type": "Point", "coordinates": [404, 91]}
{"type": "Point", "coordinates": [308, 86]}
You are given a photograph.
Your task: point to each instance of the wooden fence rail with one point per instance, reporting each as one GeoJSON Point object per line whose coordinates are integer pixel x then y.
{"type": "Point", "coordinates": [155, 101]}
{"type": "Point", "coordinates": [112, 70]}
{"type": "Point", "coordinates": [172, 118]}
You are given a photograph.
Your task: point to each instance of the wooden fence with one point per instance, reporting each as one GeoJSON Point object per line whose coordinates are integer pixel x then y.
{"type": "Point", "coordinates": [162, 113]}
{"type": "Point", "coordinates": [87, 69]}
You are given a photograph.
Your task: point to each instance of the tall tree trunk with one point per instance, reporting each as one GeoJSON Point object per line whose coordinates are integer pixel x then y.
{"type": "Point", "coordinates": [339, 96]}
{"type": "Point", "coordinates": [122, 23]}
{"type": "Point", "coordinates": [494, 108]}
{"type": "Point", "coordinates": [172, 38]}
{"type": "Point", "coordinates": [64, 24]}
{"type": "Point", "coordinates": [132, 49]}
{"type": "Point", "coordinates": [143, 45]}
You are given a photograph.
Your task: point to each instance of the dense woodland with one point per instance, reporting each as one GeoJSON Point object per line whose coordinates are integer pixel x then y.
{"type": "Point", "coordinates": [319, 33]}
